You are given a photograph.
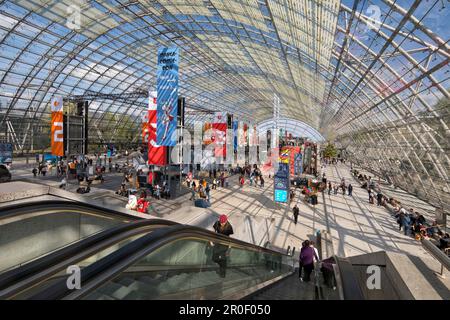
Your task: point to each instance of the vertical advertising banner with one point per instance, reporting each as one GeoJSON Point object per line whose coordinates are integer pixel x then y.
{"type": "Point", "coordinates": [167, 91]}
{"type": "Point", "coordinates": [235, 134]}
{"type": "Point", "coordinates": [156, 154]}
{"type": "Point", "coordinates": [298, 164]}
{"type": "Point", "coordinates": [57, 133]}
{"type": "Point", "coordinates": [220, 132]}
{"type": "Point", "coordinates": [145, 129]}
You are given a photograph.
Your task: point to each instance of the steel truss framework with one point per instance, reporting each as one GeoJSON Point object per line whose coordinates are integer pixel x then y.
{"type": "Point", "coordinates": [371, 75]}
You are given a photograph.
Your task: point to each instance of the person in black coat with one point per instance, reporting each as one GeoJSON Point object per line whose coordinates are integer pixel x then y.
{"type": "Point", "coordinates": [296, 212]}
{"type": "Point", "coordinates": [220, 251]}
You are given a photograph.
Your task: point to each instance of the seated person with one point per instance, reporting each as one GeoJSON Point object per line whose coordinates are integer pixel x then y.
{"type": "Point", "coordinates": [142, 203]}
{"type": "Point", "coordinates": [444, 242]}
{"type": "Point", "coordinates": [132, 202]}
{"type": "Point", "coordinates": [122, 191]}
{"type": "Point", "coordinates": [421, 219]}
{"type": "Point", "coordinates": [99, 177]}
{"type": "Point", "coordinates": [82, 190]}
{"type": "Point", "coordinates": [433, 230]}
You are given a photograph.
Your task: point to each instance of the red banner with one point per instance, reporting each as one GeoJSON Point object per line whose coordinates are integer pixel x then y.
{"type": "Point", "coordinates": [220, 133]}
{"type": "Point", "coordinates": [156, 154]}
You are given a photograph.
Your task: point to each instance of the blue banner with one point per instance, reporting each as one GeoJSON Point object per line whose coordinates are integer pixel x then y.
{"type": "Point", "coordinates": [167, 93]}
{"type": "Point", "coordinates": [235, 131]}
{"type": "Point", "coordinates": [298, 164]}
{"type": "Point", "coordinates": [6, 152]}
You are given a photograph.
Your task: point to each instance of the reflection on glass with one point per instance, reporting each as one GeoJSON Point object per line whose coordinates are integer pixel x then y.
{"type": "Point", "coordinates": [29, 292]}
{"type": "Point", "coordinates": [191, 269]}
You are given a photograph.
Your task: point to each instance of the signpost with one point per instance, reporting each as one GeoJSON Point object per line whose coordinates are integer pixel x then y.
{"type": "Point", "coordinates": [281, 183]}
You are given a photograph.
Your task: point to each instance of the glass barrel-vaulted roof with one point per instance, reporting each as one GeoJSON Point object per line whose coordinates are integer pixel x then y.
{"type": "Point", "coordinates": [371, 75]}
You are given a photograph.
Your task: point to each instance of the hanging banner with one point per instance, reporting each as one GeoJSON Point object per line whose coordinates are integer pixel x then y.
{"type": "Point", "coordinates": [167, 91]}
{"type": "Point", "coordinates": [57, 133]}
{"type": "Point", "coordinates": [219, 127]}
{"type": "Point", "coordinates": [220, 117]}
{"type": "Point", "coordinates": [235, 134]}
{"type": "Point", "coordinates": [298, 164]}
{"type": "Point", "coordinates": [156, 154]}
{"type": "Point", "coordinates": [208, 134]}
{"type": "Point", "coordinates": [145, 129]}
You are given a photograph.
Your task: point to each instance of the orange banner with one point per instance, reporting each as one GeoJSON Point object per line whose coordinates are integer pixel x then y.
{"type": "Point", "coordinates": [57, 134]}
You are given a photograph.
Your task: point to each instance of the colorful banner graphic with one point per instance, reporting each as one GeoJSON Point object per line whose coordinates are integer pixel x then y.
{"type": "Point", "coordinates": [57, 129]}
{"type": "Point", "coordinates": [285, 154]}
{"type": "Point", "coordinates": [156, 154]}
{"type": "Point", "coordinates": [167, 91]}
{"type": "Point", "coordinates": [6, 152]}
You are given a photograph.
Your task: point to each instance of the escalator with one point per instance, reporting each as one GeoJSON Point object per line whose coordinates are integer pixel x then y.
{"type": "Point", "coordinates": [33, 229]}
{"type": "Point", "coordinates": [159, 259]}
{"type": "Point", "coordinates": [175, 262]}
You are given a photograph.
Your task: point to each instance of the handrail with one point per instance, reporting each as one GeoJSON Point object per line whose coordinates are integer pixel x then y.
{"type": "Point", "coordinates": [437, 254]}
{"type": "Point", "coordinates": [15, 280]}
{"type": "Point", "coordinates": [9, 211]}
{"type": "Point", "coordinates": [348, 283]}
{"type": "Point", "coordinates": [108, 267]}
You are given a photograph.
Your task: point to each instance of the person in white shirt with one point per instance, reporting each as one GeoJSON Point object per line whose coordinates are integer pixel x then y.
{"type": "Point", "coordinates": [311, 244]}
{"type": "Point", "coordinates": [132, 202]}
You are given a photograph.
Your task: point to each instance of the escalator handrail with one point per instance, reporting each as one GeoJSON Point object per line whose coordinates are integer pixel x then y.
{"type": "Point", "coordinates": [20, 273]}
{"type": "Point", "coordinates": [110, 266]}
{"type": "Point", "coordinates": [14, 210]}
{"type": "Point", "coordinates": [351, 289]}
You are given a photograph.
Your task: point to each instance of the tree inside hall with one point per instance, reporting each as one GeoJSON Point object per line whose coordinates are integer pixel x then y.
{"type": "Point", "coordinates": [330, 151]}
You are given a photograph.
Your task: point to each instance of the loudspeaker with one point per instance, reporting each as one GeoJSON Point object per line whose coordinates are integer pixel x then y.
{"type": "Point", "coordinates": [229, 121]}
{"type": "Point", "coordinates": [180, 113]}
{"type": "Point", "coordinates": [80, 106]}
{"type": "Point", "coordinates": [86, 127]}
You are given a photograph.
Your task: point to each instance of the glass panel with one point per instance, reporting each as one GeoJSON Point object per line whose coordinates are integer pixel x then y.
{"type": "Point", "coordinates": [193, 269]}
{"type": "Point", "coordinates": [29, 292]}
{"type": "Point", "coordinates": [39, 235]}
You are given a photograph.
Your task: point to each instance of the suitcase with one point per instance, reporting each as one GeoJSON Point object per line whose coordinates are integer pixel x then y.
{"type": "Point", "coordinates": [201, 203]}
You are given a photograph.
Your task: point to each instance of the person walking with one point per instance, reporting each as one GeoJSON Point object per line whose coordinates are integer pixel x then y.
{"type": "Point", "coordinates": [214, 184]}
{"type": "Point", "coordinates": [208, 193]}
{"type": "Point", "coordinates": [296, 212]}
{"type": "Point", "coordinates": [329, 188]}
{"type": "Point", "coordinates": [261, 181]}
{"type": "Point", "coordinates": [350, 189]}
{"type": "Point", "coordinates": [221, 251]}
{"type": "Point", "coordinates": [307, 256]}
